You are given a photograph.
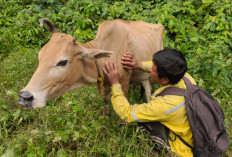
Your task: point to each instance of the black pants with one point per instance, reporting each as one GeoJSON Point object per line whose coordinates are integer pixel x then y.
{"type": "Point", "coordinates": [159, 134]}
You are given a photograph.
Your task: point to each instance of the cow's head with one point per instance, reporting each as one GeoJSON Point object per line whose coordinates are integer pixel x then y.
{"type": "Point", "coordinates": [63, 64]}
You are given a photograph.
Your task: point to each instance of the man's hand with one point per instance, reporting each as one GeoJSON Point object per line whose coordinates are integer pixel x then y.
{"type": "Point", "coordinates": [111, 71]}
{"type": "Point", "coordinates": [130, 62]}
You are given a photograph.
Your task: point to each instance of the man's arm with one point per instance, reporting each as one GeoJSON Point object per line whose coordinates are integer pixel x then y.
{"type": "Point", "coordinates": [131, 63]}
{"type": "Point", "coordinates": [144, 112]}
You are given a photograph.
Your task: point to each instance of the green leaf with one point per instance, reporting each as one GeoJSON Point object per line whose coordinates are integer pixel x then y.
{"type": "Point", "coordinates": [16, 114]}
{"type": "Point", "coordinates": [170, 24]}
{"type": "Point", "coordinates": [214, 72]}
{"type": "Point", "coordinates": [76, 108]}
{"type": "Point", "coordinates": [207, 1]}
{"type": "Point", "coordinates": [229, 61]}
{"type": "Point", "coordinates": [194, 39]}
{"type": "Point", "coordinates": [76, 135]}
{"type": "Point", "coordinates": [216, 91]}
{"type": "Point", "coordinates": [162, 18]}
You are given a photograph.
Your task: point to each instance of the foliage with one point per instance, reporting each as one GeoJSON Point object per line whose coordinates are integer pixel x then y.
{"type": "Point", "coordinates": [73, 124]}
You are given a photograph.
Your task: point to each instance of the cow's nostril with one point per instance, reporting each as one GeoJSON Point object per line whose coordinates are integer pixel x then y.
{"type": "Point", "coordinates": [26, 96]}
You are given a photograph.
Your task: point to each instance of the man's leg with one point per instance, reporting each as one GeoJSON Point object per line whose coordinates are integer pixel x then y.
{"type": "Point", "coordinates": [159, 134]}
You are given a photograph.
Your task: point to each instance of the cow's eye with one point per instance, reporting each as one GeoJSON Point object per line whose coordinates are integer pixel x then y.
{"type": "Point", "coordinates": [62, 63]}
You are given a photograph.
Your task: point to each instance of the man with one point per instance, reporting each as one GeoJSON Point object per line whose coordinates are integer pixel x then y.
{"type": "Point", "coordinates": [167, 68]}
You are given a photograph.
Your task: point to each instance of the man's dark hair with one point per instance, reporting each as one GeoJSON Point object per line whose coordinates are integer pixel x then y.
{"type": "Point", "coordinates": [170, 63]}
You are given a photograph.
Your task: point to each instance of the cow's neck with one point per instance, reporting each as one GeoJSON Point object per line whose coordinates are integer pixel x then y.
{"type": "Point", "coordinates": [90, 44]}
{"type": "Point", "coordinates": [91, 73]}
{"type": "Point", "coordinates": [100, 63]}
{"type": "Point", "coordinates": [96, 72]}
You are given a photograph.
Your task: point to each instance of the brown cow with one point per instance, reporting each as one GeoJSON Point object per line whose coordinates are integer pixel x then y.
{"type": "Point", "coordinates": [65, 64]}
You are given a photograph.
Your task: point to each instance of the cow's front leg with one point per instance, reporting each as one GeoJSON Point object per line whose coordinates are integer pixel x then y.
{"type": "Point", "coordinates": [125, 80]}
{"type": "Point", "coordinates": [125, 85]}
{"type": "Point", "coordinates": [106, 98]}
{"type": "Point", "coordinates": [104, 90]}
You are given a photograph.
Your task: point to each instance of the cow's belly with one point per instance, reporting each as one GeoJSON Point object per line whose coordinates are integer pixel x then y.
{"type": "Point", "coordinates": [138, 75]}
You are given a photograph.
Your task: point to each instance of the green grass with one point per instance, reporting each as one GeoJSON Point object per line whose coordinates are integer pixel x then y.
{"type": "Point", "coordinates": [71, 125]}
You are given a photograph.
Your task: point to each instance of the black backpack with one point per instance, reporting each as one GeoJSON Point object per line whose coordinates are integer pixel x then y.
{"type": "Point", "coordinates": [206, 120]}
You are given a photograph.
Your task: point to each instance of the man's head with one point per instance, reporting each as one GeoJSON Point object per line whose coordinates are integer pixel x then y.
{"type": "Point", "coordinates": [170, 66]}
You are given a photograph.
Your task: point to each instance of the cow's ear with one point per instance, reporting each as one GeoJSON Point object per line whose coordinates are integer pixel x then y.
{"type": "Point", "coordinates": [96, 53]}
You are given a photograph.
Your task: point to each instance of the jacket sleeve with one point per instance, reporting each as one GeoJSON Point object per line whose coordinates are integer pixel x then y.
{"type": "Point", "coordinates": [120, 104]}
{"type": "Point", "coordinates": [152, 111]}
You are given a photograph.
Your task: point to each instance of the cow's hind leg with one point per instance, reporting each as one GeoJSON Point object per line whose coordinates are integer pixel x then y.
{"type": "Point", "coordinates": [147, 87]}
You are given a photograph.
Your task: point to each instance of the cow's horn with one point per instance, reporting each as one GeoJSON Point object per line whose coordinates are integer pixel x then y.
{"type": "Point", "coordinates": [49, 23]}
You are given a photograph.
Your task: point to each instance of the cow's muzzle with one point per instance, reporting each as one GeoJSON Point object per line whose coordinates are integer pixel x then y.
{"type": "Point", "coordinates": [25, 99]}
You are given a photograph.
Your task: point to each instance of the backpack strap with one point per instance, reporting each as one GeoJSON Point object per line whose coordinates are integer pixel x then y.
{"type": "Point", "coordinates": [182, 140]}
{"type": "Point", "coordinates": [187, 81]}
{"type": "Point", "coordinates": [173, 91]}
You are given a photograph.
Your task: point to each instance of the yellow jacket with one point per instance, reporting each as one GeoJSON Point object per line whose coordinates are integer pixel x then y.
{"type": "Point", "coordinates": [170, 110]}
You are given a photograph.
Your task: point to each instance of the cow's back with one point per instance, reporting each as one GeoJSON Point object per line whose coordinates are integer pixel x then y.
{"type": "Point", "coordinates": [138, 37]}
